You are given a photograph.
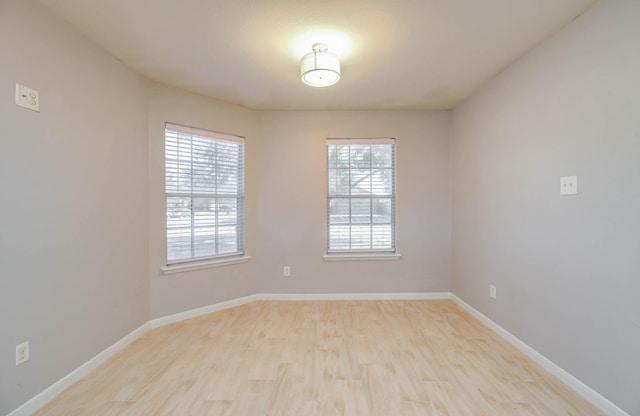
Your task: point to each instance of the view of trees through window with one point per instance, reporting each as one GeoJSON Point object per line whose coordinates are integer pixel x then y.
{"type": "Point", "coordinates": [204, 180]}
{"type": "Point", "coordinates": [361, 200]}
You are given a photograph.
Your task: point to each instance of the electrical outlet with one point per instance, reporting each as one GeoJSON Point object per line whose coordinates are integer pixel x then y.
{"type": "Point", "coordinates": [22, 353]}
{"type": "Point", "coordinates": [27, 97]}
{"type": "Point", "coordinates": [286, 271]}
{"type": "Point", "coordinates": [492, 291]}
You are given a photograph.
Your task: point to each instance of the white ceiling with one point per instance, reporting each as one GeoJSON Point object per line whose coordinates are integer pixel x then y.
{"type": "Point", "coordinates": [396, 54]}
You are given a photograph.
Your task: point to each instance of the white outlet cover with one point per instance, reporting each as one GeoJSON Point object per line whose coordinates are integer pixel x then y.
{"type": "Point", "coordinates": [27, 98]}
{"type": "Point", "coordinates": [492, 291]}
{"type": "Point", "coordinates": [22, 353]}
{"type": "Point", "coordinates": [568, 185]}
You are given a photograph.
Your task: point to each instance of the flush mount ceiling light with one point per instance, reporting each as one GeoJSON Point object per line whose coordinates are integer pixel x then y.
{"type": "Point", "coordinates": [320, 68]}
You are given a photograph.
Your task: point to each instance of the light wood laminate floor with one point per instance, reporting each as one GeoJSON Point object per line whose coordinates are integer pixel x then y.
{"type": "Point", "coordinates": [310, 358]}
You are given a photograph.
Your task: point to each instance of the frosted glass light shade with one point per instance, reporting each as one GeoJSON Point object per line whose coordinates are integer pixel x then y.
{"type": "Point", "coordinates": [320, 68]}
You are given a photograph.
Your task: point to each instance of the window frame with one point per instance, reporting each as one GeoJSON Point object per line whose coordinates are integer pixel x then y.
{"type": "Point", "coordinates": [194, 262]}
{"type": "Point", "coordinates": [358, 253]}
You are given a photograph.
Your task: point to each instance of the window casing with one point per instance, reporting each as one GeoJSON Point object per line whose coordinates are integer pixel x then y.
{"type": "Point", "coordinates": [204, 188]}
{"type": "Point", "coordinates": [361, 195]}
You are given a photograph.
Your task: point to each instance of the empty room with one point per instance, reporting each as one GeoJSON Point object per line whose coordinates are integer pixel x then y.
{"type": "Point", "coordinates": [369, 207]}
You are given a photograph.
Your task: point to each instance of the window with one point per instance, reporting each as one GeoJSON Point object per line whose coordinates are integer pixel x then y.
{"type": "Point", "coordinates": [204, 185]}
{"type": "Point", "coordinates": [361, 195]}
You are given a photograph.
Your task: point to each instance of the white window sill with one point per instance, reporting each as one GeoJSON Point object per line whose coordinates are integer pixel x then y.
{"type": "Point", "coordinates": [362, 257]}
{"type": "Point", "coordinates": [187, 267]}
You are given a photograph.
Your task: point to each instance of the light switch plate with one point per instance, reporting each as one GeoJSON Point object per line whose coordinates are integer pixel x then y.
{"type": "Point", "coordinates": [27, 97]}
{"type": "Point", "coordinates": [568, 185]}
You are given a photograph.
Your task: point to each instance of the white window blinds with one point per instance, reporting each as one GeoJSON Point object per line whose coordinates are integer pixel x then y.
{"type": "Point", "coordinates": [204, 186]}
{"type": "Point", "coordinates": [361, 195]}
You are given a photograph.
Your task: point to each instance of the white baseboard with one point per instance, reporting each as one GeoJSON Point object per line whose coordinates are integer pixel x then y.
{"type": "Point", "coordinates": [58, 387]}
{"type": "Point", "coordinates": [51, 392]}
{"type": "Point", "coordinates": [578, 386]}
{"type": "Point", "coordinates": [354, 296]}
{"type": "Point", "coordinates": [170, 319]}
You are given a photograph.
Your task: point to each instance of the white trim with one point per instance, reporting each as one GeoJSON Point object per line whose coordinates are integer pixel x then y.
{"type": "Point", "coordinates": [65, 382]}
{"type": "Point", "coordinates": [170, 319]}
{"type": "Point", "coordinates": [354, 296]}
{"type": "Point", "coordinates": [51, 392]}
{"type": "Point", "coordinates": [362, 257]}
{"type": "Point", "coordinates": [193, 313]}
{"type": "Point", "coordinates": [187, 267]}
{"type": "Point", "coordinates": [578, 386]}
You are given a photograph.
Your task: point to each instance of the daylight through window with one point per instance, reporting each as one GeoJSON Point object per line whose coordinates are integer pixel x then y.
{"type": "Point", "coordinates": [361, 195]}
{"type": "Point", "coordinates": [204, 185]}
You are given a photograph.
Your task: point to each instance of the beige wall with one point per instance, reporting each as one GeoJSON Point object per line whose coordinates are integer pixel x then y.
{"type": "Point", "coordinates": [567, 268]}
{"type": "Point", "coordinates": [180, 292]}
{"type": "Point", "coordinates": [73, 222]}
{"type": "Point", "coordinates": [286, 203]}
{"type": "Point", "coordinates": [82, 218]}
{"type": "Point", "coordinates": [290, 201]}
